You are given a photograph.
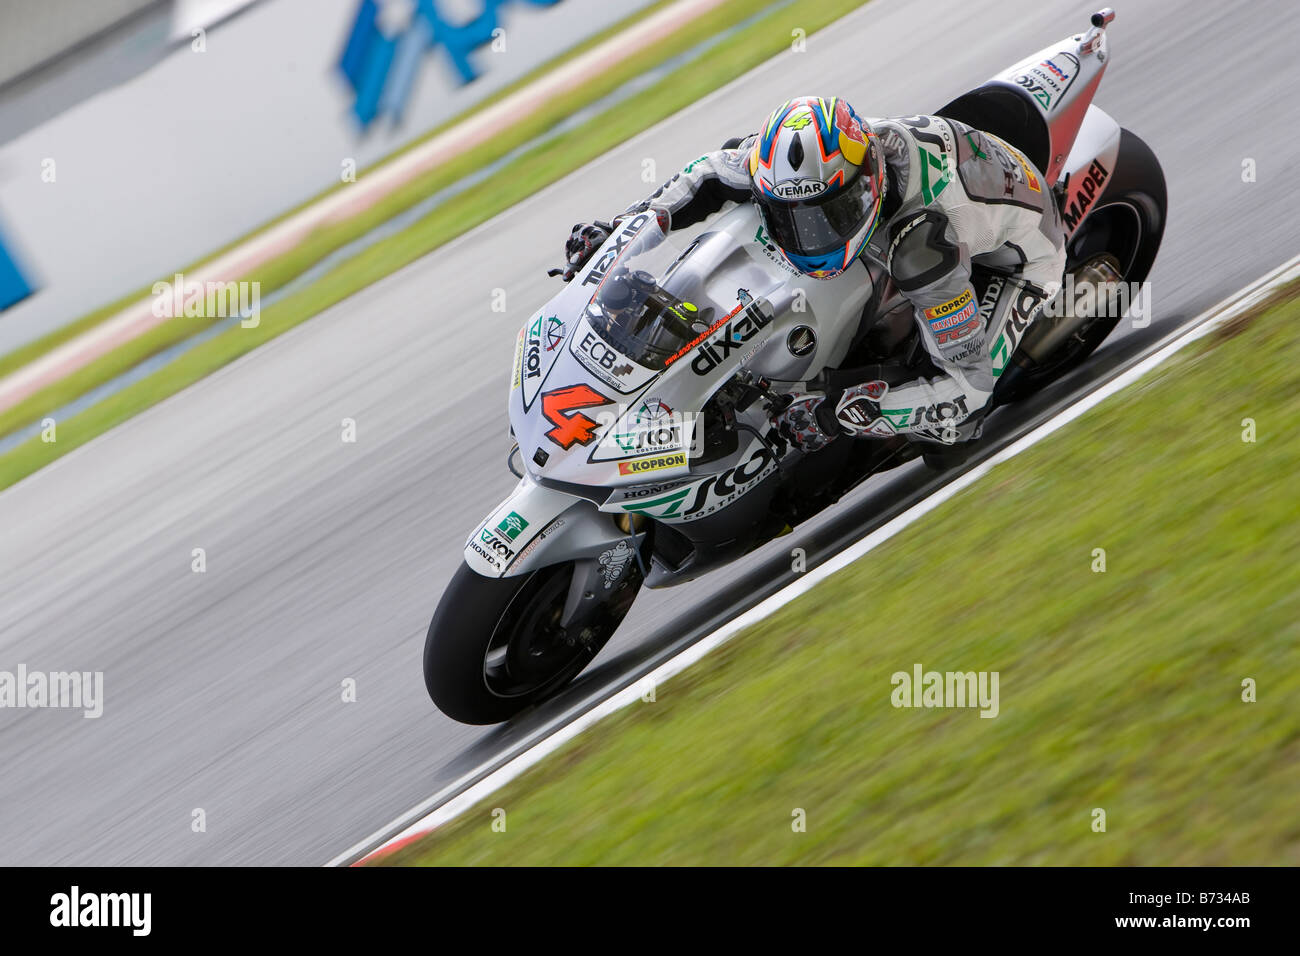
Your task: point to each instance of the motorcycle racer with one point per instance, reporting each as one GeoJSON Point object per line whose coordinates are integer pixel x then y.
{"type": "Point", "coordinates": [962, 223]}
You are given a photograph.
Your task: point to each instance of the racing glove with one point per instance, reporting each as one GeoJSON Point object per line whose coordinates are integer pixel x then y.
{"type": "Point", "coordinates": [812, 421]}
{"type": "Point", "coordinates": [858, 410]}
{"type": "Point", "coordinates": [582, 243]}
{"type": "Point", "coordinates": [808, 422]}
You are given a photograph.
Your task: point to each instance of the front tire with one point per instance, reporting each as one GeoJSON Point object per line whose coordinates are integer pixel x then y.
{"type": "Point", "coordinates": [495, 645]}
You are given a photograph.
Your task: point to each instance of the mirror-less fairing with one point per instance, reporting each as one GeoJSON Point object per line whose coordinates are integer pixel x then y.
{"type": "Point", "coordinates": [642, 394]}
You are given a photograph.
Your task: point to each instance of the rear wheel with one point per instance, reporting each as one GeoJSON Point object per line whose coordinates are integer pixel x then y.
{"type": "Point", "coordinates": [1123, 232]}
{"type": "Point", "coordinates": [497, 645]}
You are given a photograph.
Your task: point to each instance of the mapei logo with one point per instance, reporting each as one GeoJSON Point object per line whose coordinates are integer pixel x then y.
{"type": "Point", "coordinates": [1087, 188]}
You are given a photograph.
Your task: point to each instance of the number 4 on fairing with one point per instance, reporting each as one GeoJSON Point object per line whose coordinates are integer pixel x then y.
{"type": "Point", "coordinates": [560, 408]}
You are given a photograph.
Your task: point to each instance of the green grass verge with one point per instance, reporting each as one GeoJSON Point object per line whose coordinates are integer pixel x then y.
{"type": "Point", "coordinates": [1119, 690]}
{"type": "Point", "coordinates": [544, 165]}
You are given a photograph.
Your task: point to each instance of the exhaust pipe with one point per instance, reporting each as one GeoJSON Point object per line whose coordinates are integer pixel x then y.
{"type": "Point", "coordinates": [1095, 285]}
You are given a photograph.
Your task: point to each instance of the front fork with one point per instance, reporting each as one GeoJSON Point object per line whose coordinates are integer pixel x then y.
{"type": "Point", "coordinates": [607, 576]}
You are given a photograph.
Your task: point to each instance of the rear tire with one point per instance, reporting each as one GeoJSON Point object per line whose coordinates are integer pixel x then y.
{"type": "Point", "coordinates": [1128, 223]}
{"type": "Point", "coordinates": [494, 646]}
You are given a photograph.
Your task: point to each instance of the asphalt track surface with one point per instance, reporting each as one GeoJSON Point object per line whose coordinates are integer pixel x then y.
{"type": "Point", "coordinates": [325, 559]}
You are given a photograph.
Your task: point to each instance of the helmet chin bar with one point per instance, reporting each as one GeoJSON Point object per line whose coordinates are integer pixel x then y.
{"type": "Point", "coordinates": [831, 265]}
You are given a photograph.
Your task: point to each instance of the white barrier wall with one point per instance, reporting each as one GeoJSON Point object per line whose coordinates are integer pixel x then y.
{"type": "Point", "coordinates": [33, 31]}
{"type": "Point", "coordinates": [158, 171]}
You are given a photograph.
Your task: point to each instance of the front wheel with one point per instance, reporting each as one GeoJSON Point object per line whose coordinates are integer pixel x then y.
{"type": "Point", "coordinates": [497, 645]}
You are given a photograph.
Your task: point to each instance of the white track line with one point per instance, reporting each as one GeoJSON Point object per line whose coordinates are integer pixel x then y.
{"type": "Point", "coordinates": [438, 809]}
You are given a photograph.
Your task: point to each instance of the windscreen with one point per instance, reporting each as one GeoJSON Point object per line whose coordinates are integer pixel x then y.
{"type": "Point", "coordinates": [634, 312]}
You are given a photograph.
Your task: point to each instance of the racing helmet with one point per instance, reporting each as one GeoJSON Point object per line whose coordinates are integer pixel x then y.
{"type": "Point", "coordinates": [817, 175]}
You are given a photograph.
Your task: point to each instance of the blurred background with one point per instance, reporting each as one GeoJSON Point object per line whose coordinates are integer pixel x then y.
{"type": "Point", "coordinates": [384, 171]}
{"type": "Point", "coordinates": [168, 143]}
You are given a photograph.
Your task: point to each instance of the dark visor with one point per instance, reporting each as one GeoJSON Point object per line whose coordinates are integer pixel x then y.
{"type": "Point", "coordinates": [816, 227]}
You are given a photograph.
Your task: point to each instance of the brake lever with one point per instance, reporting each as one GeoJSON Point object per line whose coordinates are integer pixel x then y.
{"type": "Point", "coordinates": [776, 404]}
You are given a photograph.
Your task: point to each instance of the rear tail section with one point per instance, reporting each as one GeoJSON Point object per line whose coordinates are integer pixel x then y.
{"type": "Point", "coordinates": [1040, 103]}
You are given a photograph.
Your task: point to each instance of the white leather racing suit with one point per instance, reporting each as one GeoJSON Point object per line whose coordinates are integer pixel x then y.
{"type": "Point", "coordinates": [955, 198]}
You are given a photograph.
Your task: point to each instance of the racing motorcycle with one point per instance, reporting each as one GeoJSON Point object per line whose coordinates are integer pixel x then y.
{"type": "Point", "coordinates": [643, 394]}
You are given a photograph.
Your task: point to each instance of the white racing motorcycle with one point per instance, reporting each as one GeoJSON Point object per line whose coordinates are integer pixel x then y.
{"type": "Point", "coordinates": [643, 394]}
